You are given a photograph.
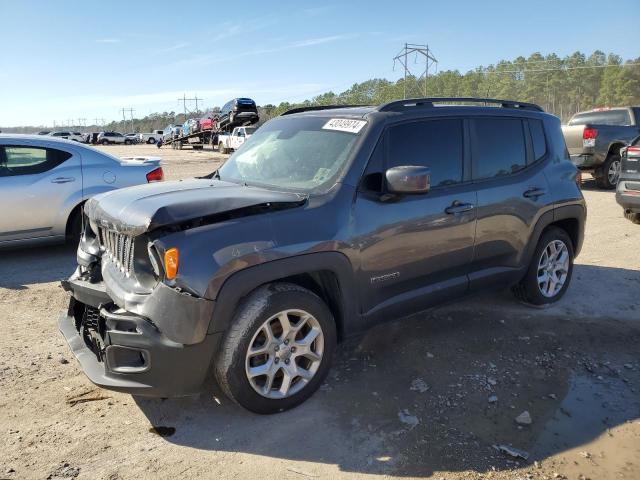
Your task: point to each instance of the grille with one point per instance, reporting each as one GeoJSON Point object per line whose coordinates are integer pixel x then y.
{"type": "Point", "coordinates": [118, 247]}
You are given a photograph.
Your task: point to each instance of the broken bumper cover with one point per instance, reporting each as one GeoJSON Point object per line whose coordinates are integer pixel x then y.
{"type": "Point", "coordinates": [124, 351]}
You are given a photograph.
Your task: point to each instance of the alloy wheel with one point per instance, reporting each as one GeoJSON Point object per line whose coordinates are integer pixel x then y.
{"type": "Point", "coordinates": [614, 172]}
{"type": "Point", "coordinates": [553, 268]}
{"type": "Point", "coordinates": [284, 354]}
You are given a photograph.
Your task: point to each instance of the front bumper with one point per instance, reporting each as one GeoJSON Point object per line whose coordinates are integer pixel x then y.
{"type": "Point", "coordinates": [628, 195]}
{"type": "Point", "coordinates": [124, 351]}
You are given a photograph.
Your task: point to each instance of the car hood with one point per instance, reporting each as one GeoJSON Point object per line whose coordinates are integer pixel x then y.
{"type": "Point", "coordinates": [144, 208]}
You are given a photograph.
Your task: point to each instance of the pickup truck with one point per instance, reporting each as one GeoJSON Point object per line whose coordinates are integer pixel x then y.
{"type": "Point", "coordinates": [228, 143]}
{"type": "Point", "coordinates": [150, 138]}
{"type": "Point", "coordinates": [594, 139]}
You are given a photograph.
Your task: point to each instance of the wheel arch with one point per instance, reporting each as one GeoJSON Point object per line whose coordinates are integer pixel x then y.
{"type": "Point", "coordinates": [75, 210]}
{"type": "Point", "coordinates": [327, 274]}
{"type": "Point", "coordinates": [570, 218]}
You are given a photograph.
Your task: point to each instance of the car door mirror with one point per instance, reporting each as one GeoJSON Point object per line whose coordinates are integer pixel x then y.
{"type": "Point", "coordinates": [408, 179]}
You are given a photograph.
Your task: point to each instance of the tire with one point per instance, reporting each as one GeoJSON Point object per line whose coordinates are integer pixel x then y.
{"type": "Point", "coordinates": [264, 307]}
{"type": "Point", "coordinates": [632, 217]}
{"type": "Point", "coordinates": [105, 142]}
{"type": "Point", "coordinates": [608, 175]}
{"type": "Point", "coordinates": [127, 142]}
{"type": "Point", "coordinates": [221, 148]}
{"type": "Point", "coordinates": [74, 226]}
{"type": "Point", "coordinates": [530, 290]}
{"type": "Point", "coordinates": [151, 141]}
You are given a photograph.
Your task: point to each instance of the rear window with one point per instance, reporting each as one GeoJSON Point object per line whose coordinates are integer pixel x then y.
{"type": "Point", "coordinates": [604, 117]}
{"type": "Point", "coordinates": [537, 139]}
{"type": "Point", "coordinates": [498, 147]}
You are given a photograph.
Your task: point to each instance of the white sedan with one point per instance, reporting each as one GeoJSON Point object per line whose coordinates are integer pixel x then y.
{"type": "Point", "coordinates": [45, 181]}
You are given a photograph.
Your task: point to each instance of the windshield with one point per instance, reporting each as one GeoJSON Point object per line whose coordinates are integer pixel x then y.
{"type": "Point", "coordinates": [293, 153]}
{"type": "Point", "coordinates": [250, 130]}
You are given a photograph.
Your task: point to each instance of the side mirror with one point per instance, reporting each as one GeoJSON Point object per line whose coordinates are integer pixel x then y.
{"type": "Point", "coordinates": [408, 179]}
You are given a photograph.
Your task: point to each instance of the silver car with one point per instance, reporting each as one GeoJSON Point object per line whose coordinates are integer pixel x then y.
{"type": "Point", "coordinates": [44, 182]}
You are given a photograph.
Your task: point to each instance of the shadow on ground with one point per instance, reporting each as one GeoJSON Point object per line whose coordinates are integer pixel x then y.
{"type": "Point", "coordinates": [415, 397]}
{"type": "Point", "coordinates": [38, 264]}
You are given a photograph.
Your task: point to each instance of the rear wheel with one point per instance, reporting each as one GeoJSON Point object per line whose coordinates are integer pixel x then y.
{"type": "Point", "coordinates": [609, 173]}
{"type": "Point", "coordinates": [127, 142]}
{"type": "Point", "coordinates": [633, 217]}
{"type": "Point", "coordinates": [278, 349]}
{"type": "Point", "coordinates": [221, 148]}
{"type": "Point", "coordinates": [151, 141]}
{"type": "Point", "coordinates": [549, 273]}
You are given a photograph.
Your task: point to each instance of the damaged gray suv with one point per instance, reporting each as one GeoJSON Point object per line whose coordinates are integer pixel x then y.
{"type": "Point", "coordinates": [327, 221]}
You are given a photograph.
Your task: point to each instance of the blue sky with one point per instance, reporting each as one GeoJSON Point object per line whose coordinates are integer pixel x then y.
{"type": "Point", "coordinates": [67, 60]}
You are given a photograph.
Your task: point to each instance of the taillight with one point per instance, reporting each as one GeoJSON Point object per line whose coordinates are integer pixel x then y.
{"type": "Point", "coordinates": [633, 152]}
{"type": "Point", "coordinates": [156, 175]}
{"type": "Point", "coordinates": [579, 179]}
{"type": "Point", "coordinates": [589, 137]}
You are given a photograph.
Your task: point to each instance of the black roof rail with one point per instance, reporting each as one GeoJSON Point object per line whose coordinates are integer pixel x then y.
{"type": "Point", "coordinates": [318, 107]}
{"type": "Point", "coordinates": [399, 105]}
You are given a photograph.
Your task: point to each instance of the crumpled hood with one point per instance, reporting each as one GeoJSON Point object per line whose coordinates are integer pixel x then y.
{"type": "Point", "coordinates": [143, 208]}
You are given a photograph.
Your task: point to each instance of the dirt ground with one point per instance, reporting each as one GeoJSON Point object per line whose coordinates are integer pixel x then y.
{"type": "Point", "coordinates": [435, 395]}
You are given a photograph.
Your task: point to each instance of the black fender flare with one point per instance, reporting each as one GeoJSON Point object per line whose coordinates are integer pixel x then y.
{"type": "Point", "coordinates": [565, 212]}
{"type": "Point", "coordinates": [243, 282]}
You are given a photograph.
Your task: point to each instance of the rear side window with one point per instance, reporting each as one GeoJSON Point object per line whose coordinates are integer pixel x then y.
{"type": "Point", "coordinates": [19, 160]}
{"type": "Point", "coordinates": [498, 147]}
{"type": "Point", "coordinates": [537, 139]}
{"type": "Point", "coordinates": [436, 144]}
{"type": "Point", "coordinates": [604, 117]}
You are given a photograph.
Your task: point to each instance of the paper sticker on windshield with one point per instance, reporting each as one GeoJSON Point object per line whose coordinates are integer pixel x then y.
{"type": "Point", "coordinates": [344, 125]}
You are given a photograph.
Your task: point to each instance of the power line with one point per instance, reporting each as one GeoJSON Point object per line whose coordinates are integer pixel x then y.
{"type": "Point", "coordinates": [184, 101]}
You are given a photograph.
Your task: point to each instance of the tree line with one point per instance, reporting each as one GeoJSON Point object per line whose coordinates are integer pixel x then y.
{"type": "Point", "coordinates": [562, 86]}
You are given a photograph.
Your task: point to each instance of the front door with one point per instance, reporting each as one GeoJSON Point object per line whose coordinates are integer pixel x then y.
{"type": "Point", "coordinates": [415, 250]}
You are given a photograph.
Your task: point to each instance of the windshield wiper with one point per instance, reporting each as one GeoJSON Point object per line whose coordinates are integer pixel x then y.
{"type": "Point", "coordinates": [215, 174]}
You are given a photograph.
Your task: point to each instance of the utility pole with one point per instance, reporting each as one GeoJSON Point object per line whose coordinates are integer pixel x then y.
{"type": "Point", "coordinates": [403, 59]}
{"type": "Point", "coordinates": [184, 101]}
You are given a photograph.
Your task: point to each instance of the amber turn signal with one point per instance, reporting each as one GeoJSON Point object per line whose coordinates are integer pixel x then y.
{"type": "Point", "coordinates": [171, 262]}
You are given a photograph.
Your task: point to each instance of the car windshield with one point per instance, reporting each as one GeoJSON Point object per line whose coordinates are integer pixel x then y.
{"type": "Point", "coordinates": [293, 153]}
{"type": "Point", "coordinates": [250, 130]}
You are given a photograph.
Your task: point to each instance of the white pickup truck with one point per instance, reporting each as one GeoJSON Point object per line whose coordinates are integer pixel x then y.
{"type": "Point", "coordinates": [151, 138]}
{"type": "Point", "coordinates": [227, 143]}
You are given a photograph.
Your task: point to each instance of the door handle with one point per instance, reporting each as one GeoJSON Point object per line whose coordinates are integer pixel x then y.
{"type": "Point", "coordinates": [63, 180]}
{"type": "Point", "coordinates": [458, 207]}
{"type": "Point", "coordinates": [534, 192]}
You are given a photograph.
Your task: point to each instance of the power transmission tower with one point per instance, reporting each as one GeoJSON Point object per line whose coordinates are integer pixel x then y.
{"type": "Point", "coordinates": [124, 120]}
{"type": "Point", "coordinates": [184, 101]}
{"type": "Point", "coordinates": [403, 59]}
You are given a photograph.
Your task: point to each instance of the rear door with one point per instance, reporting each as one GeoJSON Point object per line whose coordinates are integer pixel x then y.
{"type": "Point", "coordinates": [415, 250]}
{"type": "Point", "coordinates": [35, 186]}
{"type": "Point", "coordinates": [508, 159]}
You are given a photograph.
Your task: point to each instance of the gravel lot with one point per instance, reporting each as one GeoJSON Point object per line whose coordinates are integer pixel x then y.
{"type": "Point", "coordinates": [433, 395]}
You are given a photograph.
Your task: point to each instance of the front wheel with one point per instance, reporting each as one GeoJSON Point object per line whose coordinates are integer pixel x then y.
{"type": "Point", "coordinates": [221, 148]}
{"type": "Point", "coordinates": [549, 273]}
{"type": "Point", "coordinates": [127, 142]}
{"type": "Point", "coordinates": [105, 142]}
{"type": "Point", "coordinates": [608, 175]}
{"type": "Point", "coordinates": [278, 349]}
{"type": "Point", "coordinates": [151, 141]}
